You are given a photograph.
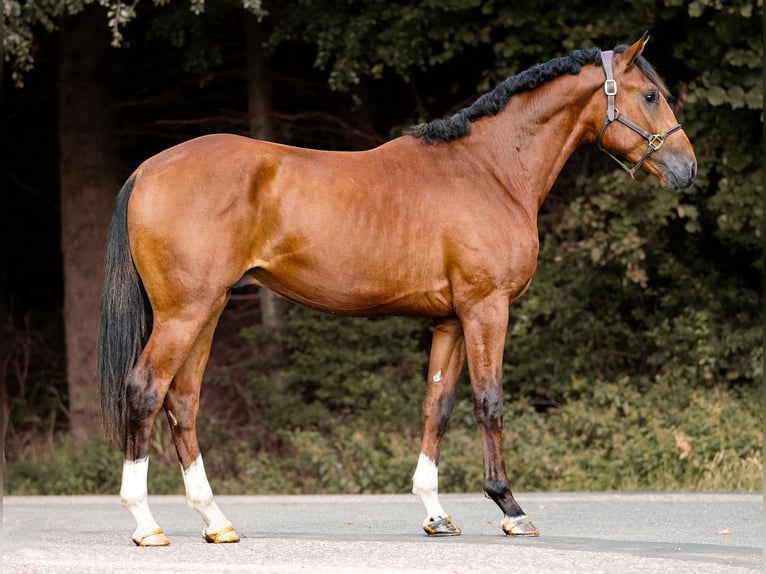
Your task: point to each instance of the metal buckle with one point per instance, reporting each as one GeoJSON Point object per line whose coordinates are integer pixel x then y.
{"type": "Point", "coordinates": [656, 142]}
{"type": "Point", "coordinates": [610, 87]}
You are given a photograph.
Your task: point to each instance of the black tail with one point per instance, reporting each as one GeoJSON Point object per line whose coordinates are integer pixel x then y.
{"type": "Point", "coordinates": [125, 321]}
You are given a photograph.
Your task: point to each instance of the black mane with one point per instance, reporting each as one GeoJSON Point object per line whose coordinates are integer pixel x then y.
{"type": "Point", "coordinates": [493, 102]}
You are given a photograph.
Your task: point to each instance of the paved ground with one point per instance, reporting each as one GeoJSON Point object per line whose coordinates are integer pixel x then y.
{"type": "Point", "coordinates": [380, 534]}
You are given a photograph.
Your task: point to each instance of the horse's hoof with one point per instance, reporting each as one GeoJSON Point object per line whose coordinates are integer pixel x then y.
{"type": "Point", "coordinates": [224, 536]}
{"type": "Point", "coordinates": [441, 527]}
{"type": "Point", "coordinates": [519, 526]}
{"type": "Point", "coordinates": [154, 538]}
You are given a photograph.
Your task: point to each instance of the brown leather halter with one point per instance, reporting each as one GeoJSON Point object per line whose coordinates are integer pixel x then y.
{"type": "Point", "coordinates": [656, 141]}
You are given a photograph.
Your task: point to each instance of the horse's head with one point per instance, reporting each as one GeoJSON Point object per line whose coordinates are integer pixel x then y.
{"type": "Point", "coordinates": [639, 124]}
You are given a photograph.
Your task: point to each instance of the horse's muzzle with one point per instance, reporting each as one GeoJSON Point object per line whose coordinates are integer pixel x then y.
{"type": "Point", "coordinates": [679, 173]}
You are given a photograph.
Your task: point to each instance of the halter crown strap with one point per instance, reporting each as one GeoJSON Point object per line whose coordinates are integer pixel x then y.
{"type": "Point", "coordinates": [656, 141]}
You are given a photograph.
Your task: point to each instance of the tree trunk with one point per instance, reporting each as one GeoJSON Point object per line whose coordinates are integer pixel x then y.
{"type": "Point", "coordinates": [89, 178]}
{"type": "Point", "coordinates": [261, 127]}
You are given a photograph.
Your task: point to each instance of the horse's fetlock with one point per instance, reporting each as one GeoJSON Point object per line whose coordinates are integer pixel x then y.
{"type": "Point", "coordinates": [496, 489]}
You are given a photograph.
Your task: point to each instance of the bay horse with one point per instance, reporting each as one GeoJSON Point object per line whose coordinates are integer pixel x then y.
{"type": "Point", "coordinates": [440, 222]}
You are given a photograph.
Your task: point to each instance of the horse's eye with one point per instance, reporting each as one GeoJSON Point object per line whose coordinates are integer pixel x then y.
{"type": "Point", "coordinates": [650, 97]}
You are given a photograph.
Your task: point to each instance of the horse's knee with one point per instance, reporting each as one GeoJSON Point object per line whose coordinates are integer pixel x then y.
{"type": "Point", "coordinates": [438, 411]}
{"type": "Point", "coordinates": [488, 408]}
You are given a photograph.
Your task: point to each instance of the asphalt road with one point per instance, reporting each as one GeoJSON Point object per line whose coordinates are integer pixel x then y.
{"type": "Point", "coordinates": [380, 534]}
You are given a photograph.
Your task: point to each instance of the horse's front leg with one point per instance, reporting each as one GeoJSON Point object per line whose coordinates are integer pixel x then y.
{"type": "Point", "coordinates": [444, 367]}
{"type": "Point", "coordinates": [485, 326]}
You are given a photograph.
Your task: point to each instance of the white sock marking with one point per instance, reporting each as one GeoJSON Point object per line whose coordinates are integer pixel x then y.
{"type": "Point", "coordinates": [199, 496]}
{"type": "Point", "coordinates": [133, 494]}
{"type": "Point", "coordinates": [425, 483]}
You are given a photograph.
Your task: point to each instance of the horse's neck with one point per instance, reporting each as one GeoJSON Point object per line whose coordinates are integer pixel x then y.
{"type": "Point", "coordinates": [538, 131]}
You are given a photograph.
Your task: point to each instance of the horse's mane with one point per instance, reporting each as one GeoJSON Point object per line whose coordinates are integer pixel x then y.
{"type": "Point", "coordinates": [493, 102]}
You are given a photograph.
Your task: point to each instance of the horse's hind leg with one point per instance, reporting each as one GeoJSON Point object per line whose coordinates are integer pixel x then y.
{"type": "Point", "coordinates": [181, 407]}
{"type": "Point", "coordinates": [175, 334]}
{"type": "Point", "coordinates": [444, 367]}
{"type": "Point", "coordinates": [147, 386]}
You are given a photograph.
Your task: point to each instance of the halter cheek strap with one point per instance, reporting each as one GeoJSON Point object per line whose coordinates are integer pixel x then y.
{"type": "Point", "coordinates": [656, 141]}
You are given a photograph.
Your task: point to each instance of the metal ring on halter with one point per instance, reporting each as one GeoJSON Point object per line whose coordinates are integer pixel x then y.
{"type": "Point", "coordinates": [656, 141]}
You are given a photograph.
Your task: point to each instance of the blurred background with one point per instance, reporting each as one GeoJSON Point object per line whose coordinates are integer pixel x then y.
{"type": "Point", "coordinates": [634, 362]}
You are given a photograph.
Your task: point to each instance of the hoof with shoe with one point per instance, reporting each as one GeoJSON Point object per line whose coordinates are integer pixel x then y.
{"type": "Point", "coordinates": [519, 526]}
{"type": "Point", "coordinates": [224, 536]}
{"type": "Point", "coordinates": [154, 538]}
{"type": "Point", "coordinates": [441, 527]}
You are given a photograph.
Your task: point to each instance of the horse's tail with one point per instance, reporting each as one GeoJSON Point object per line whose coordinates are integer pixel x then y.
{"type": "Point", "coordinates": [125, 321]}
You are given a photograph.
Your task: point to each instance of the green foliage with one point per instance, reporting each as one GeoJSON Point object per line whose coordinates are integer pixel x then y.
{"type": "Point", "coordinates": [355, 39]}
{"type": "Point", "coordinates": [736, 44]}
{"type": "Point", "coordinates": [348, 366]}
{"type": "Point", "coordinates": [662, 436]}
{"type": "Point", "coordinates": [623, 288]}
{"type": "Point", "coordinates": [22, 20]}
{"type": "Point", "coordinates": [33, 386]}
{"type": "Point", "coordinates": [70, 470]}
{"type": "Point", "coordinates": [348, 459]}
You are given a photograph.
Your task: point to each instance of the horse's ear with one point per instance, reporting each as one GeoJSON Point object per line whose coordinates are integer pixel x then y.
{"type": "Point", "coordinates": [635, 50]}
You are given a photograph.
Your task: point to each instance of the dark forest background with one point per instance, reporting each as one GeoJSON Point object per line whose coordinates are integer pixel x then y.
{"type": "Point", "coordinates": [635, 361]}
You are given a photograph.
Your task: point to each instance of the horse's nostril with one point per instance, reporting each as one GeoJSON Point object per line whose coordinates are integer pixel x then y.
{"type": "Point", "coordinates": [693, 170]}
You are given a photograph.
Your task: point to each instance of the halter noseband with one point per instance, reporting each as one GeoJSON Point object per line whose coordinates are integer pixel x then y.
{"type": "Point", "coordinates": [655, 140]}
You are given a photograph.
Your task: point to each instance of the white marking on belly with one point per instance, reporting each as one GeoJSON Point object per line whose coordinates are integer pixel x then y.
{"type": "Point", "coordinates": [438, 376]}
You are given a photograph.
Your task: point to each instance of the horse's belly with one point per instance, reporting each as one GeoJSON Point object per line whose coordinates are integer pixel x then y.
{"type": "Point", "coordinates": [349, 293]}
